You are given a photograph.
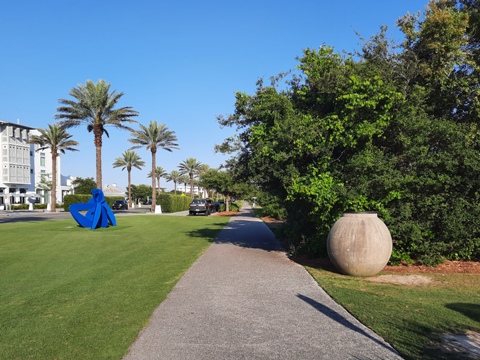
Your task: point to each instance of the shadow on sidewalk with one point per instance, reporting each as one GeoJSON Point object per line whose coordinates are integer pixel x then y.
{"type": "Point", "coordinates": [332, 314]}
{"type": "Point", "coordinates": [249, 234]}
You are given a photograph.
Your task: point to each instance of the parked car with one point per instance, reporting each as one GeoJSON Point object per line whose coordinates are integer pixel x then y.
{"type": "Point", "coordinates": [120, 205]}
{"type": "Point", "coordinates": [201, 206]}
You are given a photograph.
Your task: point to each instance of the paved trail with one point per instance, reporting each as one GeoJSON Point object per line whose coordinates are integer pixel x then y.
{"type": "Point", "coordinates": [244, 299]}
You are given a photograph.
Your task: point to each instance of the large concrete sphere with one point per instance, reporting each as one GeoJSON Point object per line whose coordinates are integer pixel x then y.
{"type": "Point", "coordinates": [359, 244]}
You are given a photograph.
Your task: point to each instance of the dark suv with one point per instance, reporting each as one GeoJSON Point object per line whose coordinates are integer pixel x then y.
{"type": "Point", "coordinates": [201, 206]}
{"type": "Point", "coordinates": [120, 205]}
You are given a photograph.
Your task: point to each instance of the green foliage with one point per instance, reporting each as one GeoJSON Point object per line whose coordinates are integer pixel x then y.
{"type": "Point", "coordinates": [141, 191]}
{"type": "Point", "coordinates": [234, 206]}
{"type": "Point", "coordinates": [84, 186]}
{"type": "Point", "coordinates": [80, 199]}
{"type": "Point", "coordinates": [173, 203]}
{"type": "Point", "coordinates": [393, 131]}
{"type": "Point", "coordinates": [412, 319]}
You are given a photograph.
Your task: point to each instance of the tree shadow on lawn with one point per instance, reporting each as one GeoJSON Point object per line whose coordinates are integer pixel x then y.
{"type": "Point", "coordinates": [210, 232]}
{"type": "Point", "coordinates": [470, 310]}
{"type": "Point", "coordinates": [332, 314]}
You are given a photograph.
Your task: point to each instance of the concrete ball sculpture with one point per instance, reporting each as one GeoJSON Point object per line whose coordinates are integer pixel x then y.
{"type": "Point", "coordinates": [359, 244]}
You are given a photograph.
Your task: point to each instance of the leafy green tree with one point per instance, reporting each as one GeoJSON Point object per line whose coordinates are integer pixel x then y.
{"type": "Point", "coordinates": [57, 140]}
{"type": "Point", "coordinates": [159, 173]}
{"type": "Point", "coordinates": [394, 131]}
{"type": "Point", "coordinates": [94, 105]}
{"type": "Point", "coordinates": [174, 176]}
{"type": "Point", "coordinates": [126, 161]}
{"type": "Point", "coordinates": [191, 167]}
{"type": "Point", "coordinates": [152, 137]}
{"type": "Point", "coordinates": [84, 185]}
{"type": "Point", "coordinates": [141, 191]}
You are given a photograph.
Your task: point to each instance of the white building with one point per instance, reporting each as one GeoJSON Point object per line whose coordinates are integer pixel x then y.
{"type": "Point", "coordinates": [23, 168]}
{"type": "Point", "coordinates": [197, 190]}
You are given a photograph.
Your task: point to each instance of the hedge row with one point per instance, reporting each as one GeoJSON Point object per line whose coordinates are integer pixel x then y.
{"type": "Point", "coordinates": [173, 203]}
{"type": "Point", "coordinates": [81, 198]}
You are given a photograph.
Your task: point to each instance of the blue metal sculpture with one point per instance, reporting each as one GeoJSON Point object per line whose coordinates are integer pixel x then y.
{"type": "Point", "coordinates": [98, 213]}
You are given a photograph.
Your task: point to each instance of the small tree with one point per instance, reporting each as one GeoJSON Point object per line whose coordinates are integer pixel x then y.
{"type": "Point", "coordinates": [58, 141]}
{"type": "Point", "coordinates": [191, 167]}
{"type": "Point", "coordinates": [175, 177]}
{"type": "Point", "coordinates": [159, 173]}
{"type": "Point", "coordinates": [84, 186]}
{"type": "Point", "coordinates": [152, 137]}
{"type": "Point", "coordinates": [129, 159]}
{"type": "Point", "coordinates": [184, 179]}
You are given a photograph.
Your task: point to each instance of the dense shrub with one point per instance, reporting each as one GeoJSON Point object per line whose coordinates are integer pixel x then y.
{"type": "Point", "coordinates": [80, 198]}
{"type": "Point", "coordinates": [173, 203]}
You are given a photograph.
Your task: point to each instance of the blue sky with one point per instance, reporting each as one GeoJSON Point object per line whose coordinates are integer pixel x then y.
{"type": "Point", "coordinates": [178, 62]}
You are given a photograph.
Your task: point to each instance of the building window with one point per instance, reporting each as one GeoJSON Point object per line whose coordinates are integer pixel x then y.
{"type": "Point", "coordinates": [42, 159]}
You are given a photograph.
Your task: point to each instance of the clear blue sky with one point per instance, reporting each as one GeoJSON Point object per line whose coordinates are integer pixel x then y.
{"type": "Point", "coordinates": [178, 62]}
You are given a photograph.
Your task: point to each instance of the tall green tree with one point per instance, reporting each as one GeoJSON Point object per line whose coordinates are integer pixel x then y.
{"type": "Point", "coordinates": [190, 167]}
{"type": "Point", "coordinates": [57, 140]}
{"type": "Point", "coordinates": [394, 130]}
{"type": "Point", "coordinates": [174, 176]}
{"type": "Point", "coordinates": [128, 160]}
{"type": "Point", "coordinates": [152, 137]}
{"type": "Point", "coordinates": [94, 105]}
{"type": "Point", "coordinates": [84, 185]}
{"type": "Point", "coordinates": [159, 174]}
{"type": "Point", "coordinates": [141, 191]}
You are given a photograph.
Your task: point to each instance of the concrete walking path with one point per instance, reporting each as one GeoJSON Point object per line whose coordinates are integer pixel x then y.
{"type": "Point", "coordinates": [244, 299]}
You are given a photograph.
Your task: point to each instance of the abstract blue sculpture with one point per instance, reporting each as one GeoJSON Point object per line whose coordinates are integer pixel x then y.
{"type": "Point", "coordinates": [98, 213]}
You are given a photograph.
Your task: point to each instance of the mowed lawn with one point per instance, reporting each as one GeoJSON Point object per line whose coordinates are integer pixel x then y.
{"type": "Point", "coordinates": [416, 319]}
{"type": "Point", "coordinates": [72, 293]}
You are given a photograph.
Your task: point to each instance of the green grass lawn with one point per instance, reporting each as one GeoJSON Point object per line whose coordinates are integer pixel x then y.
{"type": "Point", "coordinates": [72, 293]}
{"type": "Point", "coordinates": [411, 318]}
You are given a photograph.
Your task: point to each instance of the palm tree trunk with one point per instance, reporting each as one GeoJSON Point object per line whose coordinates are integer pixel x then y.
{"type": "Point", "coordinates": [191, 185]}
{"type": "Point", "coordinates": [53, 197]}
{"type": "Point", "coordinates": [154, 191]}
{"type": "Point", "coordinates": [129, 189]}
{"type": "Point", "coordinates": [97, 131]}
{"type": "Point", "coordinates": [175, 187]}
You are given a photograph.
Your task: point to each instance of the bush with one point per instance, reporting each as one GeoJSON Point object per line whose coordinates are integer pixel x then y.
{"type": "Point", "coordinates": [234, 206]}
{"type": "Point", "coordinates": [173, 203]}
{"type": "Point", "coordinates": [81, 198]}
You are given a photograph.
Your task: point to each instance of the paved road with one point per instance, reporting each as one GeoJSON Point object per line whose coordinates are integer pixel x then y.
{"type": "Point", "coordinates": [39, 215]}
{"type": "Point", "coordinates": [244, 299]}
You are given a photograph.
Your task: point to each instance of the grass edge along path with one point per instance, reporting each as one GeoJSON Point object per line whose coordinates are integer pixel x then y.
{"type": "Point", "coordinates": [413, 319]}
{"type": "Point", "coordinates": [73, 293]}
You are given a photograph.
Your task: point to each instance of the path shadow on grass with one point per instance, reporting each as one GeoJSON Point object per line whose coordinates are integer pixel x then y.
{"type": "Point", "coordinates": [470, 310]}
{"type": "Point", "coordinates": [332, 314]}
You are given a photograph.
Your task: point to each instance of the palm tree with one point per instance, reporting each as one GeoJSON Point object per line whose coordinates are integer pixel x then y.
{"type": "Point", "coordinates": [152, 137]}
{"type": "Point", "coordinates": [159, 173]}
{"type": "Point", "coordinates": [58, 141]}
{"type": "Point", "coordinates": [93, 105]}
{"type": "Point", "coordinates": [175, 177]}
{"type": "Point", "coordinates": [129, 159]}
{"type": "Point", "coordinates": [204, 168]}
{"type": "Point", "coordinates": [184, 179]}
{"type": "Point", "coordinates": [191, 167]}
